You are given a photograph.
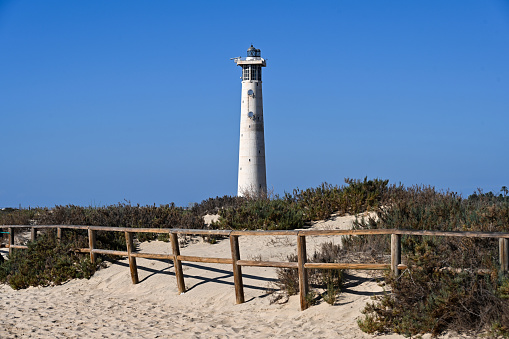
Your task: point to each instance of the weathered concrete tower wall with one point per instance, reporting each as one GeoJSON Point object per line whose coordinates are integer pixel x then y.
{"type": "Point", "coordinates": [252, 172]}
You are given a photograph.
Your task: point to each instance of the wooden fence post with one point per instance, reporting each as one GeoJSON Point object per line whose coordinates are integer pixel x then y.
{"type": "Point", "coordinates": [179, 275]}
{"type": "Point", "coordinates": [132, 260]}
{"type": "Point", "coordinates": [303, 277]}
{"type": "Point", "coordinates": [33, 234]}
{"type": "Point", "coordinates": [11, 239]}
{"type": "Point", "coordinates": [237, 270]}
{"type": "Point", "coordinates": [395, 253]}
{"type": "Point", "coordinates": [503, 254]}
{"type": "Point", "coordinates": [59, 234]}
{"type": "Point", "coordinates": [91, 244]}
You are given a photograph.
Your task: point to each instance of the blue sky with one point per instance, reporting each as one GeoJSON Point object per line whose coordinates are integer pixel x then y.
{"type": "Point", "coordinates": [107, 101]}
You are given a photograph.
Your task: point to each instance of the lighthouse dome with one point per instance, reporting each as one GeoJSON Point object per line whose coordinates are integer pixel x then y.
{"type": "Point", "coordinates": [253, 52]}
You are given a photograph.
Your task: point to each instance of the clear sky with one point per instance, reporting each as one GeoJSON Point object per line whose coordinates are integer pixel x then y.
{"type": "Point", "coordinates": [107, 101]}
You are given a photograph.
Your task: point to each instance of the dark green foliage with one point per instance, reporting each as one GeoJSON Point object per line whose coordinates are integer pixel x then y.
{"type": "Point", "coordinates": [214, 205]}
{"type": "Point", "coordinates": [12, 216]}
{"type": "Point", "coordinates": [358, 196]}
{"type": "Point", "coordinates": [293, 211]}
{"type": "Point", "coordinates": [45, 262]}
{"type": "Point", "coordinates": [319, 203]}
{"type": "Point", "coordinates": [503, 197]}
{"type": "Point", "coordinates": [120, 215]}
{"type": "Point", "coordinates": [424, 208]}
{"type": "Point", "coordinates": [331, 281]}
{"type": "Point", "coordinates": [288, 278]}
{"type": "Point", "coordinates": [443, 288]}
{"type": "Point", "coordinates": [262, 214]}
{"type": "Point", "coordinates": [432, 296]}
{"type": "Point", "coordinates": [123, 215]}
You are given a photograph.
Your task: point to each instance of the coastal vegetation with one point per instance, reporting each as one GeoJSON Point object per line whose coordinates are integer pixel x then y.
{"type": "Point", "coordinates": [328, 281]}
{"type": "Point", "coordinates": [46, 262]}
{"type": "Point", "coordinates": [449, 283]}
{"type": "Point", "coordinates": [303, 206]}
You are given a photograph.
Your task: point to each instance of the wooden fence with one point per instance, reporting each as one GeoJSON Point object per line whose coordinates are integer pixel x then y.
{"type": "Point", "coordinates": [301, 265]}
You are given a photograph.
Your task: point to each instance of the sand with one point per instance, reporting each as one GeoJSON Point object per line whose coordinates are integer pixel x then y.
{"type": "Point", "coordinates": [109, 306]}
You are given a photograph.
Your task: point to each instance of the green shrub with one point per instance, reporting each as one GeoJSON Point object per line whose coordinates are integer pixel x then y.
{"type": "Point", "coordinates": [45, 262]}
{"type": "Point", "coordinates": [294, 210]}
{"type": "Point", "coordinates": [120, 215]}
{"type": "Point", "coordinates": [123, 215]}
{"type": "Point", "coordinates": [262, 214]}
{"type": "Point", "coordinates": [319, 203]}
{"type": "Point", "coordinates": [433, 296]}
{"type": "Point", "coordinates": [214, 205]}
{"type": "Point", "coordinates": [329, 280]}
{"type": "Point", "coordinates": [424, 208]}
{"type": "Point", "coordinates": [358, 196]}
{"type": "Point", "coordinates": [443, 289]}
{"type": "Point", "coordinates": [288, 278]}
{"type": "Point", "coordinates": [24, 216]}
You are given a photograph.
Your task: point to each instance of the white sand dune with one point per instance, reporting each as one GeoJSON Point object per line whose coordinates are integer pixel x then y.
{"type": "Point", "coordinates": [110, 306]}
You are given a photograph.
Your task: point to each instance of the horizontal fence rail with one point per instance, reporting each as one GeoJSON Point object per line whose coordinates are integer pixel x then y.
{"type": "Point", "coordinates": [237, 263]}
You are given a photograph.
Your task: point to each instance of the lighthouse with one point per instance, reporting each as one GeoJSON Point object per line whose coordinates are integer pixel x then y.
{"type": "Point", "coordinates": [252, 178]}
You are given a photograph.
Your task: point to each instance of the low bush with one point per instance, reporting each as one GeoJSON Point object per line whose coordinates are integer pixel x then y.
{"type": "Point", "coordinates": [424, 208]}
{"type": "Point", "coordinates": [263, 214]}
{"type": "Point", "coordinates": [214, 205]}
{"type": "Point", "coordinates": [443, 288]}
{"type": "Point", "coordinates": [330, 281]}
{"type": "Point", "coordinates": [288, 279]}
{"type": "Point", "coordinates": [12, 216]}
{"type": "Point", "coordinates": [434, 295]}
{"type": "Point", "coordinates": [295, 210]}
{"type": "Point", "coordinates": [357, 196]}
{"type": "Point", "coordinates": [45, 262]}
{"type": "Point", "coordinates": [123, 215]}
{"type": "Point", "coordinates": [120, 215]}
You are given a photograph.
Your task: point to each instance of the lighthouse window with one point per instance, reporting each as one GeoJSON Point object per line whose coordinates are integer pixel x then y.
{"type": "Point", "coordinates": [254, 74]}
{"type": "Point", "coordinates": [245, 73]}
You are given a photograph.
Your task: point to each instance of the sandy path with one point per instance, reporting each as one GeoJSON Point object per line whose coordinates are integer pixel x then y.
{"type": "Point", "coordinates": [109, 306]}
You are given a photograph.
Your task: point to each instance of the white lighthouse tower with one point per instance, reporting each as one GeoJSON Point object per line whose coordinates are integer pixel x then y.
{"type": "Point", "coordinates": [252, 177]}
